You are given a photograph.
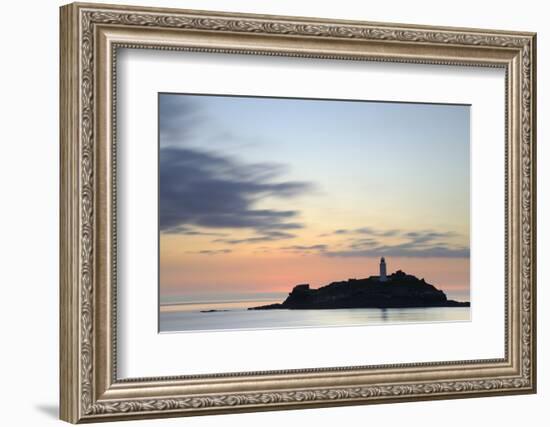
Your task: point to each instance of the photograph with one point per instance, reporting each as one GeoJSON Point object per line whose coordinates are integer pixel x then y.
{"type": "Point", "coordinates": [296, 212]}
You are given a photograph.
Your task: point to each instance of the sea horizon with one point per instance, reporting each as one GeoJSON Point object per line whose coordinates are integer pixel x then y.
{"type": "Point", "coordinates": [228, 304]}
{"type": "Point", "coordinates": [218, 301]}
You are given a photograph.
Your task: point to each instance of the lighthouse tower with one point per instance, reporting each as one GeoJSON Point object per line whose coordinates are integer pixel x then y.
{"type": "Point", "coordinates": [383, 276]}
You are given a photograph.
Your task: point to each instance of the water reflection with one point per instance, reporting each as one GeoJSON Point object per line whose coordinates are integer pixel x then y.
{"type": "Point", "coordinates": [188, 320]}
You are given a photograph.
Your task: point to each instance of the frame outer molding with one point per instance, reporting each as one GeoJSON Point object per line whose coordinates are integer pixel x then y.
{"type": "Point", "coordinates": [69, 221]}
{"type": "Point", "coordinates": [89, 388]}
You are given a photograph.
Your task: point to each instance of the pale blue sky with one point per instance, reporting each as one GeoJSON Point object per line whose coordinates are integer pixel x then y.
{"type": "Point", "coordinates": [412, 157]}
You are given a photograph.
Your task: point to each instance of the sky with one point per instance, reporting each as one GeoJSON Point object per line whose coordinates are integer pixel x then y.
{"type": "Point", "coordinates": [257, 195]}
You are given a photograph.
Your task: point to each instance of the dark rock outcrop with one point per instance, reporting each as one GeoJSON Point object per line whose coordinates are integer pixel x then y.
{"type": "Point", "coordinates": [398, 291]}
{"type": "Point", "coordinates": [213, 311]}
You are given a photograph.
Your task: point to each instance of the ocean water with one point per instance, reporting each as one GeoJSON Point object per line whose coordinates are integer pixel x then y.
{"type": "Point", "coordinates": [188, 317]}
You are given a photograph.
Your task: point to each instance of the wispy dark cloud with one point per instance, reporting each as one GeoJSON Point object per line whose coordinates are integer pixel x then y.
{"type": "Point", "coordinates": [341, 231]}
{"type": "Point", "coordinates": [186, 231]}
{"type": "Point", "coordinates": [404, 250]}
{"type": "Point", "coordinates": [366, 231]}
{"type": "Point", "coordinates": [184, 121]}
{"type": "Point", "coordinates": [370, 231]}
{"type": "Point", "coordinates": [305, 249]}
{"type": "Point", "coordinates": [266, 236]}
{"type": "Point", "coordinates": [213, 252]}
{"type": "Point", "coordinates": [364, 242]}
{"type": "Point", "coordinates": [371, 242]}
{"type": "Point", "coordinates": [178, 118]}
{"type": "Point", "coordinates": [205, 190]}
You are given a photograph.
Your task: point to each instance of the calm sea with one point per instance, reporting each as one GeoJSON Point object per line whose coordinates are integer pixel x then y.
{"type": "Point", "coordinates": [188, 316]}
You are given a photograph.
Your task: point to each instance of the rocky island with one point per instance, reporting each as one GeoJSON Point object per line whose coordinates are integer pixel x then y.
{"type": "Point", "coordinates": [397, 290]}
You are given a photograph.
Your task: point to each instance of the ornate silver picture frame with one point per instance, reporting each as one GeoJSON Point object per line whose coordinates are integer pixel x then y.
{"type": "Point", "coordinates": [91, 37]}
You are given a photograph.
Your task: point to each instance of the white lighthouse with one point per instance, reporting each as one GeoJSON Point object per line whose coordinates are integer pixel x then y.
{"type": "Point", "coordinates": [383, 276]}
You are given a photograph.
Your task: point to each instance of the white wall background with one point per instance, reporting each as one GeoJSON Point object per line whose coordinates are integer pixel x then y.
{"type": "Point", "coordinates": [29, 170]}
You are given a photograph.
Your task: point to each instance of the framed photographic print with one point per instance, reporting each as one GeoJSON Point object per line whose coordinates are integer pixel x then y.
{"type": "Point", "coordinates": [265, 212]}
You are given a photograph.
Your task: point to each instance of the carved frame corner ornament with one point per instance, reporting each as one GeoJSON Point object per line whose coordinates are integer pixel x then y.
{"type": "Point", "coordinates": [90, 36]}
